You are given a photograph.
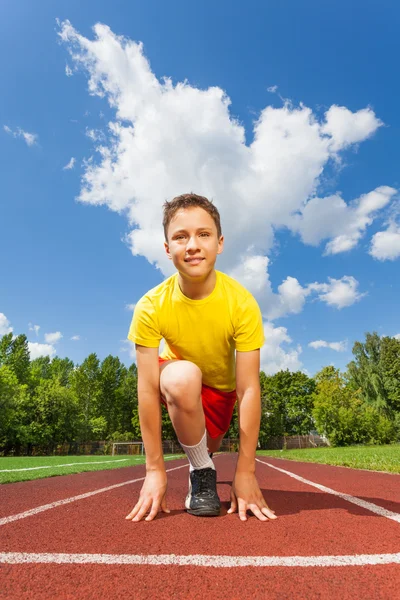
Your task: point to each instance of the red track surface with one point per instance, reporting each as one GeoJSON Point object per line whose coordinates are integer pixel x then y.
{"type": "Point", "coordinates": [311, 523]}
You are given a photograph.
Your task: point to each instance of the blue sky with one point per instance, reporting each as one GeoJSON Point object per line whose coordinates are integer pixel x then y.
{"type": "Point", "coordinates": [315, 190]}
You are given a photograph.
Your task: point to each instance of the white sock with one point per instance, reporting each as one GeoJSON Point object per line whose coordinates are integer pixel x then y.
{"type": "Point", "coordinates": [198, 455]}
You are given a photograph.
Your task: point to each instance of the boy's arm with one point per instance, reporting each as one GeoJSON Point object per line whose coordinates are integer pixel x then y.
{"type": "Point", "coordinates": [246, 493]}
{"type": "Point", "coordinates": [152, 495]}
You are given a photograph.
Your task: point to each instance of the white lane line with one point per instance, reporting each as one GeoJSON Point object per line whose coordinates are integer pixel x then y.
{"type": "Point", "coordinates": [378, 510]}
{"type": "Point", "coordinates": [94, 462]}
{"type": "Point", "coordinates": [201, 560]}
{"type": "Point", "coordinates": [44, 507]}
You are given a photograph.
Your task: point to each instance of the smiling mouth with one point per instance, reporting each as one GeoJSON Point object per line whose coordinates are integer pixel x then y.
{"type": "Point", "coordinates": [195, 261]}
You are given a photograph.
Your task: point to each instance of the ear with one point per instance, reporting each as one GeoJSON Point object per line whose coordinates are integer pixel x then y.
{"type": "Point", "coordinates": [168, 253]}
{"type": "Point", "coordinates": [220, 244]}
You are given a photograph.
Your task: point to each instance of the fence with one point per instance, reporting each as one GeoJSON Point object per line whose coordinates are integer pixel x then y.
{"type": "Point", "coordinates": [294, 441]}
{"type": "Point", "coordinates": [173, 447]}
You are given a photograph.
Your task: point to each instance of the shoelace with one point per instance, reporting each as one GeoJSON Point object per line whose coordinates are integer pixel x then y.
{"type": "Point", "coordinates": [203, 484]}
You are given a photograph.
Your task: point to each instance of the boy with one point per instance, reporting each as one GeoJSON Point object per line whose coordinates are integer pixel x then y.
{"type": "Point", "coordinates": [203, 316]}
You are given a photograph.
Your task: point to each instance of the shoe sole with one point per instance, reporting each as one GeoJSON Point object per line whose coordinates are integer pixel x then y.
{"type": "Point", "coordinates": [203, 512]}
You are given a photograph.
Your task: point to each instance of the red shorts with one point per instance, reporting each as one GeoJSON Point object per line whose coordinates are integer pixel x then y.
{"type": "Point", "coordinates": [217, 405]}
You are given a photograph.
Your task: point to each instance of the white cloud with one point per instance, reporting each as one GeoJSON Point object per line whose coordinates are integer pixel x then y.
{"type": "Point", "coordinates": [30, 138]}
{"type": "Point", "coordinates": [34, 328]}
{"type": "Point", "coordinates": [252, 272]}
{"type": "Point", "coordinates": [397, 336]}
{"type": "Point", "coordinates": [5, 326]}
{"type": "Point", "coordinates": [344, 224]}
{"type": "Point", "coordinates": [70, 165]}
{"type": "Point", "coordinates": [96, 135]}
{"type": "Point", "coordinates": [130, 307]}
{"type": "Point", "coordinates": [75, 338]}
{"type": "Point", "coordinates": [338, 292]}
{"type": "Point", "coordinates": [346, 128]}
{"type": "Point", "coordinates": [53, 338]}
{"type": "Point", "coordinates": [37, 350]}
{"type": "Point", "coordinates": [272, 89]}
{"type": "Point", "coordinates": [338, 346]}
{"type": "Point", "coordinates": [273, 357]}
{"type": "Point", "coordinates": [169, 138]}
{"type": "Point", "coordinates": [385, 245]}
{"type": "Point", "coordinates": [68, 71]}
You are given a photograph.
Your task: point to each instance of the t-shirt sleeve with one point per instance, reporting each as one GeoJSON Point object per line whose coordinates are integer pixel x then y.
{"type": "Point", "coordinates": [249, 331]}
{"type": "Point", "coordinates": [144, 329]}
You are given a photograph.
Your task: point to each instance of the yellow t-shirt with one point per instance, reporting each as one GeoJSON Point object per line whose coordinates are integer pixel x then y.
{"type": "Point", "coordinates": [207, 332]}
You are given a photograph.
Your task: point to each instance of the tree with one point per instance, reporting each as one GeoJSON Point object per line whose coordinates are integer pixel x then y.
{"type": "Point", "coordinates": [127, 399]}
{"type": "Point", "coordinates": [390, 364]}
{"type": "Point", "coordinates": [5, 348]}
{"type": "Point", "coordinates": [12, 395]}
{"type": "Point", "coordinates": [19, 359]}
{"type": "Point", "coordinates": [85, 382]}
{"type": "Point", "coordinates": [365, 372]}
{"type": "Point", "coordinates": [40, 369]}
{"type": "Point", "coordinates": [341, 414]}
{"type": "Point", "coordinates": [55, 415]}
{"type": "Point", "coordinates": [111, 376]}
{"type": "Point", "coordinates": [61, 370]}
{"type": "Point", "coordinates": [287, 400]}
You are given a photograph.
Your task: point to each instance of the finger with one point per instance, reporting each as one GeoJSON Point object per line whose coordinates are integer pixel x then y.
{"type": "Point", "coordinates": [154, 511]}
{"type": "Point", "coordinates": [268, 512]}
{"type": "Point", "coordinates": [134, 510]}
{"type": "Point", "coordinates": [164, 505]}
{"type": "Point", "coordinates": [143, 510]}
{"type": "Point", "coordinates": [257, 512]}
{"type": "Point", "coordinates": [233, 507]}
{"type": "Point", "coordinates": [242, 510]}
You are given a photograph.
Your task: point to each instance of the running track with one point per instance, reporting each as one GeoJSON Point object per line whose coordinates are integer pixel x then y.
{"type": "Point", "coordinates": [323, 545]}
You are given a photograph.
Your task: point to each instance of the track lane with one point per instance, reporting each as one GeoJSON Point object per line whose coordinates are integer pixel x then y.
{"type": "Point", "coordinates": [47, 582]}
{"type": "Point", "coordinates": [311, 523]}
{"type": "Point", "coordinates": [381, 488]}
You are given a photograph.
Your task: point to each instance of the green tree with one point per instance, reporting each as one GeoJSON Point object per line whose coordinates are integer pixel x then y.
{"type": "Point", "coordinates": [85, 382]}
{"type": "Point", "coordinates": [12, 395]}
{"type": "Point", "coordinates": [61, 369]}
{"type": "Point", "coordinates": [287, 400]}
{"type": "Point", "coordinates": [19, 359]}
{"type": "Point", "coordinates": [5, 348]}
{"type": "Point", "coordinates": [127, 399]}
{"type": "Point", "coordinates": [365, 372]}
{"type": "Point", "coordinates": [341, 414]}
{"type": "Point", "coordinates": [390, 363]}
{"type": "Point", "coordinates": [55, 415]}
{"type": "Point", "coordinates": [112, 374]}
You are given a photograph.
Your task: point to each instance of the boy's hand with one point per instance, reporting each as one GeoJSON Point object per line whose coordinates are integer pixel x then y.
{"type": "Point", "coordinates": [152, 497]}
{"type": "Point", "coordinates": [246, 495]}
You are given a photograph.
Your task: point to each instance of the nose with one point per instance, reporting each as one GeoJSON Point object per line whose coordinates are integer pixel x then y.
{"type": "Point", "coordinates": [191, 244]}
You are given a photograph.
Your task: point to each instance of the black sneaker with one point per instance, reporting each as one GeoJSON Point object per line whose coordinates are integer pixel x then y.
{"type": "Point", "coordinates": [202, 499]}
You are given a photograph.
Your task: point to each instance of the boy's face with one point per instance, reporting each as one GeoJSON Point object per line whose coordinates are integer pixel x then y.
{"type": "Point", "coordinates": [193, 243]}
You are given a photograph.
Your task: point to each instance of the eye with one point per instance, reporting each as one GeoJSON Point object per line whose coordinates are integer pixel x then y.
{"type": "Point", "coordinates": [205, 233]}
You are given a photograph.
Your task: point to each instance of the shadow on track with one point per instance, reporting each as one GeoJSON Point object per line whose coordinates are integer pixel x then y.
{"type": "Point", "coordinates": [291, 503]}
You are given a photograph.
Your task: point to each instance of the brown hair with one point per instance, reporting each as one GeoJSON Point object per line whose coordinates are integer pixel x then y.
{"type": "Point", "coordinates": [190, 201]}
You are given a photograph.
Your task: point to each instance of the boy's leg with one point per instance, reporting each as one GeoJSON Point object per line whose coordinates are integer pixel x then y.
{"type": "Point", "coordinates": [214, 444]}
{"type": "Point", "coordinates": [180, 385]}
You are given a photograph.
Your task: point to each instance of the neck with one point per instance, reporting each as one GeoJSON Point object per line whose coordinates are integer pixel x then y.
{"type": "Point", "coordinates": [198, 289]}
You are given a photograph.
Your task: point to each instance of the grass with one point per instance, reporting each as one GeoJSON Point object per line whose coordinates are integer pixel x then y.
{"type": "Point", "coordinates": [373, 458]}
{"type": "Point", "coordinates": [10, 474]}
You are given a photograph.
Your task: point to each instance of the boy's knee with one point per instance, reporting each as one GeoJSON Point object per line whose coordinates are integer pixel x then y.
{"type": "Point", "coordinates": [181, 382]}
